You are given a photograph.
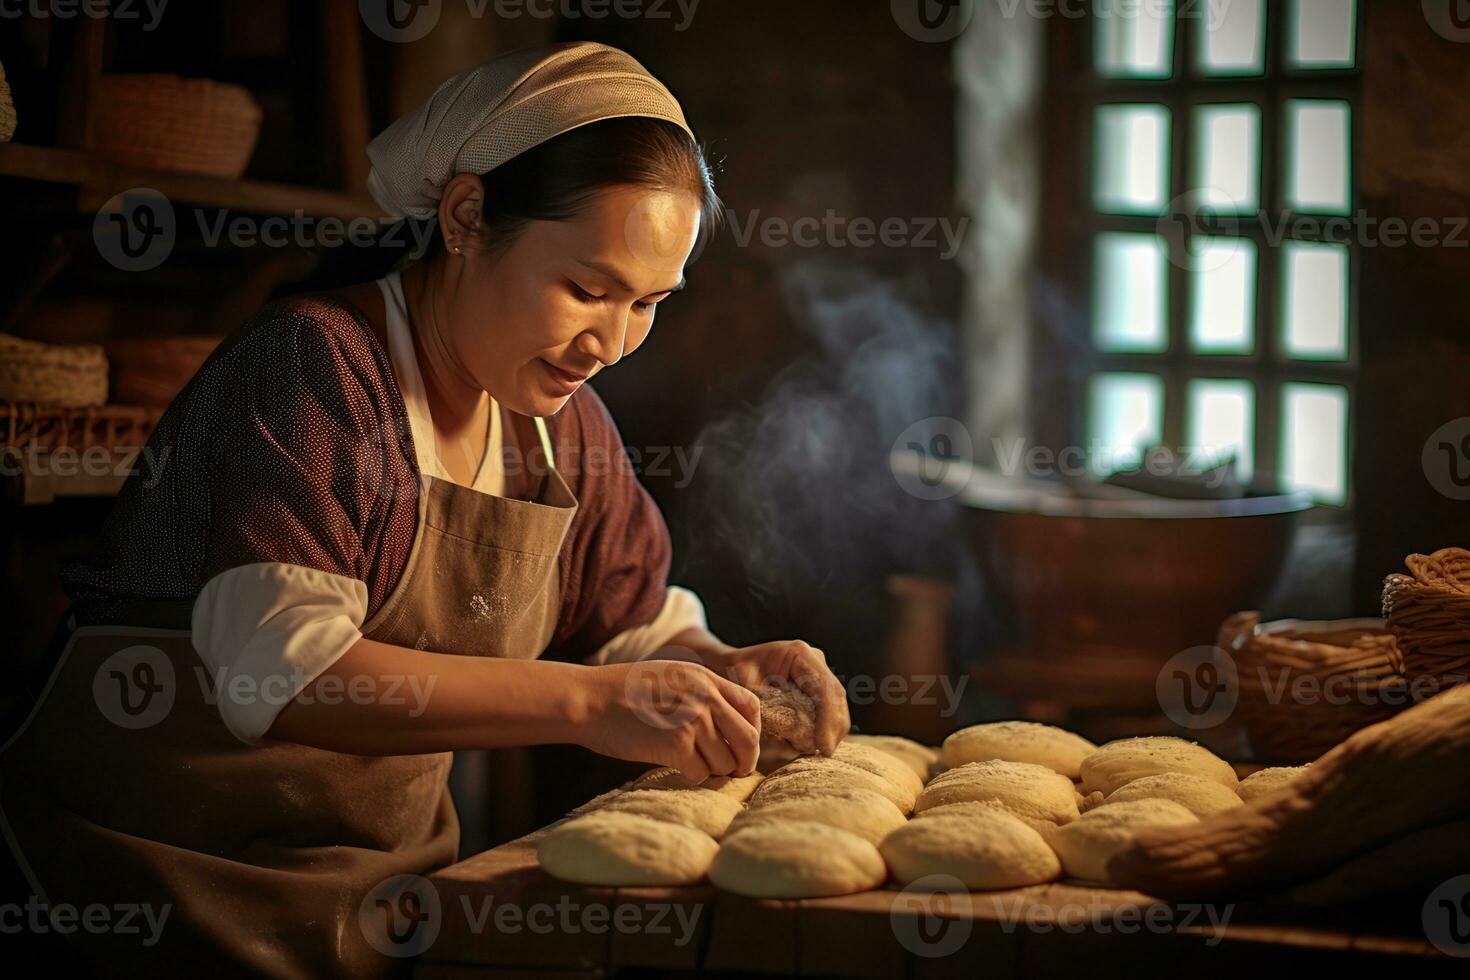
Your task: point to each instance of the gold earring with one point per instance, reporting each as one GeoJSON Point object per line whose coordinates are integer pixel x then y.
{"type": "Point", "coordinates": [457, 250]}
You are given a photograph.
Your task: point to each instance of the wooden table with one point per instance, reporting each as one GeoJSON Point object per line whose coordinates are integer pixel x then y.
{"type": "Point", "coordinates": [549, 927]}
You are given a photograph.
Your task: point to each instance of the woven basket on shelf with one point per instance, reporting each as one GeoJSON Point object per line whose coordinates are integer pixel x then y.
{"type": "Point", "coordinates": [45, 427]}
{"type": "Point", "coordinates": [183, 125]}
{"type": "Point", "coordinates": [1306, 686]}
{"type": "Point", "coordinates": [66, 376]}
{"type": "Point", "coordinates": [7, 109]}
{"type": "Point", "coordinates": [1429, 613]}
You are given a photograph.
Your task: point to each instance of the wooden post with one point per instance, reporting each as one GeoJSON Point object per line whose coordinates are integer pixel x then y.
{"type": "Point", "coordinates": [346, 91]}
{"type": "Point", "coordinates": [82, 65]}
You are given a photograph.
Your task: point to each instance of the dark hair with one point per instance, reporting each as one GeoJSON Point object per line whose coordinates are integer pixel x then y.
{"type": "Point", "coordinates": [553, 181]}
{"type": "Point", "coordinates": [557, 179]}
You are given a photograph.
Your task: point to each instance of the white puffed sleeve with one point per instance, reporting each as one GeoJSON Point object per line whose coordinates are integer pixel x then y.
{"type": "Point", "coordinates": [681, 610]}
{"type": "Point", "coordinates": [265, 631]}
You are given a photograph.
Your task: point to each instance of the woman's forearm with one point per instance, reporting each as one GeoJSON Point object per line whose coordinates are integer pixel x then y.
{"type": "Point", "coordinates": [379, 699]}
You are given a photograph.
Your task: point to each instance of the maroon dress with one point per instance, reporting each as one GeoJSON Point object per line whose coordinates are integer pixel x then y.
{"type": "Point", "coordinates": [292, 445]}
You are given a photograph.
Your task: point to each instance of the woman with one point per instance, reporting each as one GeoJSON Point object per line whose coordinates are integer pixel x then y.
{"type": "Point", "coordinates": [382, 506]}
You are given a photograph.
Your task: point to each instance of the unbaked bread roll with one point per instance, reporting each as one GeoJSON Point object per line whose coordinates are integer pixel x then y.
{"type": "Point", "coordinates": [788, 714]}
{"type": "Point", "coordinates": [857, 811]}
{"type": "Point", "coordinates": [1087, 844]}
{"type": "Point", "coordinates": [881, 764]}
{"type": "Point", "coordinates": [787, 783]}
{"type": "Point", "coordinates": [1133, 758]}
{"type": "Point", "coordinates": [796, 859]}
{"type": "Point", "coordinates": [1024, 788]}
{"type": "Point", "coordinates": [1266, 781]}
{"type": "Point", "coordinates": [920, 758]}
{"type": "Point", "coordinates": [1198, 795]}
{"type": "Point", "coordinates": [703, 809]}
{"type": "Point", "coordinates": [1042, 827]}
{"type": "Point", "coordinates": [1017, 741]}
{"type": "Point", "coordinates": [983, 848]}
{"type": "Point", "coordinates": [736, 787]}
{"type": "Point", "coordinates": [624, 850]}
{"type": "Point", "coordinates": [901, 793]}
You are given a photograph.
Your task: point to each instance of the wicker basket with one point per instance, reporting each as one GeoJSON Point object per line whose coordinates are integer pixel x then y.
{"type": "Point", "coordinates": [43, 427]}
{"type": "Point", "coordinates": [183, 125]}
{"type": "Point", "coordinates": [70, 376]}
{"type": "Point", "coordinates": [1306, 686]}
{"type": "Point", "coordinates": [1429, 613]}
{"type": "Point", "coordinates": [7, 109]}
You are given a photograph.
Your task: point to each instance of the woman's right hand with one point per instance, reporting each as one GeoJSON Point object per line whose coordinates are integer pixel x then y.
{"type": "Point", "coordinates": [673, 713]}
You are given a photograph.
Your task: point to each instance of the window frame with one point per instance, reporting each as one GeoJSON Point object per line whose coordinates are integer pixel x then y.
{"type": "Point", "coordinates": [1074, 90]}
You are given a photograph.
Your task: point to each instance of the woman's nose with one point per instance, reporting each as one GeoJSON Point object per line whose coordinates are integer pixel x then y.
{"type": "Point", "coordinates": [607, 339]}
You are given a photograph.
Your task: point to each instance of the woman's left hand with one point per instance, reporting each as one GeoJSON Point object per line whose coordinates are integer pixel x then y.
{"type": "Point", "coordinates": [799, 663]}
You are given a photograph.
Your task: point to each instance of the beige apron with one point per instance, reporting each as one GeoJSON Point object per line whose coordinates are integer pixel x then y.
{"type": "Point", "coordinates": [124, 789]}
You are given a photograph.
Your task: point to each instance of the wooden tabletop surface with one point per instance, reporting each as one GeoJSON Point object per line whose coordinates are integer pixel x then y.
{"type": "Point", "coordinates": [503, 916]}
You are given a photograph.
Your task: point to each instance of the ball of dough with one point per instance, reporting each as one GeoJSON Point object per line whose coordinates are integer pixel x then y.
{"type": "Point", "coordinates": [1263, 782]}
{"type": "Point", "coordinates": [857, 811]}
{"type": "Point", "coordinates": [1023, 788]}
{"type": "Point", "coordinates": [703, 809]}
{"type": "Point", "coordinates": [736, 787]}
{"type": "Point", "coordinates": [1133, 758]}
{"type": "Point", "coordinates": [1017, 741]}
{"type": "Point", "coordinates": [1042, 827]}
{"type": "Point", "coordinates": [823, 773]}
{"type": "Point", "coordinates": [625, 849]}
{"type": "Point", "coordinates": [984, 848]}
{"type": "Point", "coordinates": [880, 764]}
{"type": "Point", "coordinates": [1198, 795]}
{"type": "Point", "coordinates": [920, 758]}
{"type": "Point", "coordinates": [1087, 844]}
{"type": "Point", "coordinates": [788, 714]}
{"type": "Point", "coordinates": [796, 859]}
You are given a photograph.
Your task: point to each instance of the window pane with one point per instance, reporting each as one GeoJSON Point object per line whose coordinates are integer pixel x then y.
{"type": "Point", "coordinates": [1126, 413]}
{"type": "Point", "coordinates": [1231, 38]}
{"type": "Point", "coordinates": [1221, 424]}
{"type": "Point", "coordinates": [1131, 153]}
{"type": "Point", "coordinates": [1222, 306]}
{"type": "Point", "coordinates": [1314, 440]}
{"type": "Point", "coordinates": [1323, 33]}
{"type": "Point", "coordinates": [1129, 288]}
{"type": "Point", "coordinates": [1132, 39]}
{"type": "Point", "coordinates": [1318, 146]}
{"type": "Point", "coordinates": [1314, 300]}
{"type": "Point", "coordinates": [1227, 157]}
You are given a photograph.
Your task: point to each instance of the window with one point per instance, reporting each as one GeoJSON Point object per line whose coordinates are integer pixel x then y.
{"type": "Point", "coordinates": [1217, 210]}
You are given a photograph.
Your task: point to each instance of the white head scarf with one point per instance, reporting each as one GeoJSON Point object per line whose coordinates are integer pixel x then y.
{"type": "Point", "coordinates": [481, 118]}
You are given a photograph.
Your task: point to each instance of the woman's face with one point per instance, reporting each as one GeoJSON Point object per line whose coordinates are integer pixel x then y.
{"type": "Point", "coordinates": [566, 299]}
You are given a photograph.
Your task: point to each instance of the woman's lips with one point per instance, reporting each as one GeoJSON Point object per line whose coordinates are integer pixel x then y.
{"type": "Point", "coordinates": [565, 382]}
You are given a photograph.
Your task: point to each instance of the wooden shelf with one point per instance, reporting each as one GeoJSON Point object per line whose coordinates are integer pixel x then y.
{"type": "Point", "coordinates": [98, 181]}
